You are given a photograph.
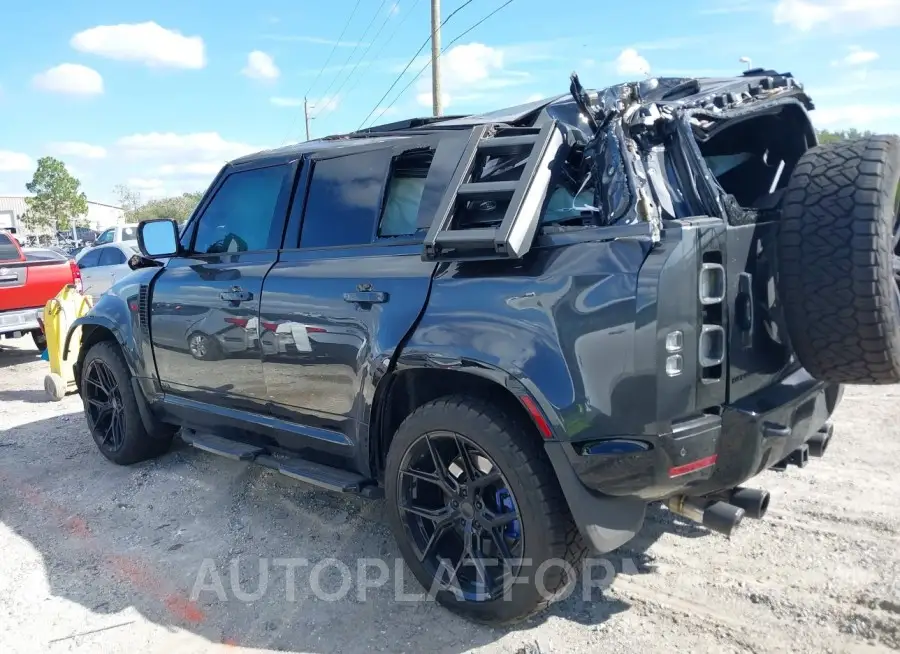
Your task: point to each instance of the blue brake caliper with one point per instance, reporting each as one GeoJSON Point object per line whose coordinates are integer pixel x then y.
{"type": "Point", "coordinates": [506, 505]}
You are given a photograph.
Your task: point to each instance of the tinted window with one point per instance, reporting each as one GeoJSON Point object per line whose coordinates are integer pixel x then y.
{"type": "Point", "coordinates": [106, 237]}
{"type": "Point", "coordinates": [344, 200]}
{"type": "Point", "coordinates": [239, 217]}
{"type": "Point", "coordinates": [8, 250]}
{"type": "Point", "coordinates": [90, 259]}
{"type": "Point", "coordinates": [44, 255]}
{"type": "Point", "coordinates": [404, 194]}
{"type": "Point", "coordinates": [111, 257]}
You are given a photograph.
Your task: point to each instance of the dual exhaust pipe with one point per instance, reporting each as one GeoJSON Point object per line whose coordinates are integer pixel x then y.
{"type": "Point", "coordinates": [722, 512]}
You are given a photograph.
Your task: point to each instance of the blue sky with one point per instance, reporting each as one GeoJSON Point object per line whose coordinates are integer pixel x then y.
{"type": "Point", "coordinates": [158, 95]}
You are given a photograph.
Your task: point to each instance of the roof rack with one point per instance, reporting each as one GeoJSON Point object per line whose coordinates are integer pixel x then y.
{"type": "Point", "coordinates": [512, 238]}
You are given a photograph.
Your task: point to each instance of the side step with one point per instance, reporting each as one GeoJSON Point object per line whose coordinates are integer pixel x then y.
{"type": "Point", "coordinates": [310, 472]}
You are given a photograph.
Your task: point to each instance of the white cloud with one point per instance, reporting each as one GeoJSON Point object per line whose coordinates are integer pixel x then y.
{"type": "Point", "coordinates": [260, 66]}
{"type": "Point", "coordinates": [629, 62]}
{"type": "Point", "coordinates": [875, 117]}
{"type": "Point", "coordinates": [78, 149]}
{"type": "Point", "coordinates": [198, 146]}
{"type": "Point", "coordinates": [198, 169]}
{"type": "Point", "coordinates": [286, 102]}
{"type": "Point", "coordinates": [14, 162]}
{"type": "Point", "coordinates": [71, 79]}
{"type": "Point", "coordinates": [147, 43]}
{"type": "Point", "coordinates": [467, 73]}
{"type": "Point", "coordinates": [837, 15]}
{"type": "Point", "coordinates": [148, 187]}
{"type": "Point", "coordinates": [857, 56]}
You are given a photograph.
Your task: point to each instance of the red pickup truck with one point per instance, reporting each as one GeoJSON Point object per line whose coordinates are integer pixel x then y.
{"type": "Point", "coordinates": [26, 284]}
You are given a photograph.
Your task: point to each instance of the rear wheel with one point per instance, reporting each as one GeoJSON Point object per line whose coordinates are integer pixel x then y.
{"type": "Point", "coordinates": [203, 347]}
{"type": "Point", "coordinates": [839, 260]}
{"type": "Point", "coordinates": [474, 504]}
{"type": "Point", "coordinates": [111, 409]}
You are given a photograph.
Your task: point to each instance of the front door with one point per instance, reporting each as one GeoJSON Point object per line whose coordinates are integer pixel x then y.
{"type": "Point", "coordinates": [334, 308]}
{"type": "Point", "coordinates": [204, 305]}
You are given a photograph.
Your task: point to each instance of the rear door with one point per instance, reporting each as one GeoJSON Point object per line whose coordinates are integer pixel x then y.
{"type": "Point", "coordinates": [202, 304]}
{"type": "Point", "coordinates": [343, 296]}
{"type": "Point", "coordinates": [111, 267]}
{"type": "Point", "coordinates": [91, 274]}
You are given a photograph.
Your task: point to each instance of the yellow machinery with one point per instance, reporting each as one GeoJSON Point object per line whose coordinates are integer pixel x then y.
{"type": "Point", "coordinates": [59, 313]}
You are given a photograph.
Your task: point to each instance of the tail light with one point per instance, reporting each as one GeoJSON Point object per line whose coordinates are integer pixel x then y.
{"type": "Point", "coordinates": [76, 276]}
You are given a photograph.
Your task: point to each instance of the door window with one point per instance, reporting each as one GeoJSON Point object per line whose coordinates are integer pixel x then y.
{"type": "Point", "coordinates": [91, 259]}
{"type": "Point", "coordinates": [344, 201]}
{"type": "Point", "coordinates": [404, 193]}
{"type": "Point", "coordinates": [106, 237]}
{"type": "Point", "coordinates": [239, 217]}
{"type": "Point", "coordinates": [111, 257]}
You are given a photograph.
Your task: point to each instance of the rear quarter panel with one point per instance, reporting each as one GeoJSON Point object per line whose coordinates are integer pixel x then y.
{"type": "Point", "coordinates": [562, 322]}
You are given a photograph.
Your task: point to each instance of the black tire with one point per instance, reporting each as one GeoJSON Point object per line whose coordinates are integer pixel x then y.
{"type": "Point", "coordinates": [547, 530]}
{"type": "Point", "coordinates": [134, 444]}
{"type": "Point", "coordinates": [206, 347]}
{"type": "Point", "coordinates": [40, 340]}
{"type": "Point", "coordinates": [836, 261]}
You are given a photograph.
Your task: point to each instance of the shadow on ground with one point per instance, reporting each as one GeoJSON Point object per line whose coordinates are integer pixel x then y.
{"type": "Point", "coordinates": [112, 538]}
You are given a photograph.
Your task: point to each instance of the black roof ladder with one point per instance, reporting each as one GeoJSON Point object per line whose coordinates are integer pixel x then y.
{"type": "Point", "coordinates": [447, 240]}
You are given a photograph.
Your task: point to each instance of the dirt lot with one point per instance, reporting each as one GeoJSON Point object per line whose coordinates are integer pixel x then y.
{"type": "Point", "coordinates": [95, 557]}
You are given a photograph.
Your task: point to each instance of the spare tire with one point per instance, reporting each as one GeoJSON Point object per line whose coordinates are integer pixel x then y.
{"type": "Point", "coordinates": [836, 253]}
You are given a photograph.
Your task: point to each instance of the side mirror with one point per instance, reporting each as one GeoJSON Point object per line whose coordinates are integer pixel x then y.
{"type": "Point", "coordinates": [158, 238]}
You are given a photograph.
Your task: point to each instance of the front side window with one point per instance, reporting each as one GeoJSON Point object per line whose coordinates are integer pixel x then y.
{"type": "Point", "coordinates": [344, 201]}
{"type": "Point", "coordinates": [240, 215]}
{"type": "Point", "coordinates": [90, 259]}
{"type": "Point", "coordinates": [111, 257]}
{"type": "Point", "coordinates": [106, 237]}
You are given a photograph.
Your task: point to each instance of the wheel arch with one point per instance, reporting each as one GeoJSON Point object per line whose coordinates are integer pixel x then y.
{"type": "Point", "coordinates": [405, 389]}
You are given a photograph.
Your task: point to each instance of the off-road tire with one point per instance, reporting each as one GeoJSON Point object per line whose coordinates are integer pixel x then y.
{"type": "Point", "coordinates": [835, 259]}
{"type": "Point", "coordinates": [138, 445]}
{"type": "Point", "coordinates": [548, 528]}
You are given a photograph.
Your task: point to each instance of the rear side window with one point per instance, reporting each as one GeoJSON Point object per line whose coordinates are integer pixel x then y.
{"type": "Point", "coordinates": [111, 257]}
{"type": "Point", "coordinates": [8, 250]}
{"type": "Point", "coordinates": [129, 233]}
{"type": "Point", "coordinates": [239, 217]}
{"type": "Point", "coordinates": [404, 193]}
{"type": "Point", "coordinates": [344, 201]}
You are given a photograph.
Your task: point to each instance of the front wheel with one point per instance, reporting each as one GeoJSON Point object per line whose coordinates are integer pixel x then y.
{"type": "Point", "coordinates": [40, 340]}
{"type": "Point", "coordinates": [111, 409]}
{"type": "Point", "coordinates": [478, 512]}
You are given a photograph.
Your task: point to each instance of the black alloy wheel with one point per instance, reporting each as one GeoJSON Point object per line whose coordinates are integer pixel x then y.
{"type": "Point", "coordinates": [105, 409]}
{"type": "Point", "coordinates": [460, 515]}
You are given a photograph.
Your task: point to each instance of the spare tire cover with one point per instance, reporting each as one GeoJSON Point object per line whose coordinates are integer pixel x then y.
{"type": "Point", "coordinates": [837, 261]}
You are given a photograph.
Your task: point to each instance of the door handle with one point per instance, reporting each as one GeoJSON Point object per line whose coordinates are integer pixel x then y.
{"type": "Point", "coordinates": [366, 297]}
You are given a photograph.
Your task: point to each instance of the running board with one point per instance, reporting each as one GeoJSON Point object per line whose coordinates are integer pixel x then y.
{"type": "Point", "coordinates": [310, 472]}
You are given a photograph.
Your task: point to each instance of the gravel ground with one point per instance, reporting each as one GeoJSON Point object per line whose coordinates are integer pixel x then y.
{"type": "Point", "coordinates": [97, 557]}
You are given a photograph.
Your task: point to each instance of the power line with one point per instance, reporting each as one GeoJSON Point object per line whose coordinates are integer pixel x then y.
{"type": "Point", "coordinates": [405, 88]}
{"type": "Point", "coordinates": [347, 63]}
{"type": "Point", "coordinates": [384, 43]}
{"type": "Point", "coordinates": [322, 69]}
{"type": "Point", "coordinates": [361, 59]}
{"type": "Point", "coordinates": [410, 63]}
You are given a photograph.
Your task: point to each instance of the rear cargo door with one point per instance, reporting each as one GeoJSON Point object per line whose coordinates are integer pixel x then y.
{"type": "Point", "coordinates": [757, 351]}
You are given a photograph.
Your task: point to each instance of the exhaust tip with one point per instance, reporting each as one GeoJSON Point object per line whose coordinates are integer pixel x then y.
{"type": "Point", "coordinates": [819, 442]}
{"type": "Point", "coordinates": [755, 502]}
{"type": "Point", "coordinates": [723, 518]}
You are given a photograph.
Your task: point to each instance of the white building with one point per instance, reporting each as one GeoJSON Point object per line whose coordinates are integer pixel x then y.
{"type": "Point", "coordinates": [99, 215]}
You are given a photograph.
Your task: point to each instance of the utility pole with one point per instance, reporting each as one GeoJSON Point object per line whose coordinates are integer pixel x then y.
{"type": "Point", "coordinates": [436, 56]}
{"type": "Point", "coordinates": [306, 116]}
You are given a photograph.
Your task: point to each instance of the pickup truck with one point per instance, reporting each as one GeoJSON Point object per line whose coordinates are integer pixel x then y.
{"type": "Point", "coordinates": [26, 284]}
{"type": "Point", "coordinates": [519, 328]}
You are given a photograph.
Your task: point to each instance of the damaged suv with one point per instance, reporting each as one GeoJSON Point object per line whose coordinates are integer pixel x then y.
{"type": "Point", "coordinates": [522, 327]}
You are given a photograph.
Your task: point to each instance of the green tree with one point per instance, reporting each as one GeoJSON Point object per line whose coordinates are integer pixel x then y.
{"type": "Point", "coordinates": [57, 200]}
{"type": "Point", "coordinates": [828, 136]}
{"type": "Point", "coordinates": [177, 208]}
{"type": "Point", "coordinates": [129, 200]}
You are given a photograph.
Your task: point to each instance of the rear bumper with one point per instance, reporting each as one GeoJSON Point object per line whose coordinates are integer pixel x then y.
{"type": "Point", "coordinates": [698, 457]}
{"type": "Point", "coordinates": [19, 321]}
